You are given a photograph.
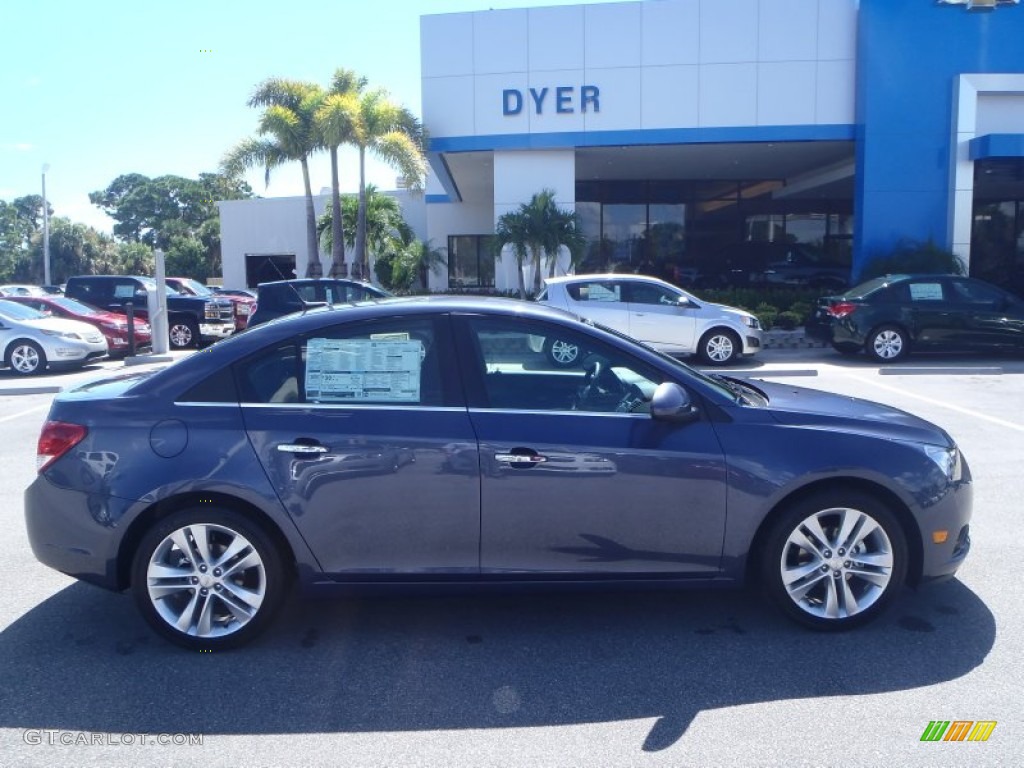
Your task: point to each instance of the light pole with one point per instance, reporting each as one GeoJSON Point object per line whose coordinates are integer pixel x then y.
{"type": "Point", "coordinates": [46, 231]}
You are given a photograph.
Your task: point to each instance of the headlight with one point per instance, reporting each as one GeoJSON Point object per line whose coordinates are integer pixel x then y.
{"type": "Point", "coordinates": [63, 334]}
{"type": "Point", "coordinates": [946, 459]}
{"type": "Point", "coordinates": [751, 322]}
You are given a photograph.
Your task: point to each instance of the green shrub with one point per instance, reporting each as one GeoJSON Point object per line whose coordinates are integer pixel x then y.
{"type": "Point", "coordinates": [913, 257]}
{"type": "Point", "coordinates": [789, 320]}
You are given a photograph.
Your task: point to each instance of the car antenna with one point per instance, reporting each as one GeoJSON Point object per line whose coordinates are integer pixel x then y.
{"type": "Point", "coordinates": [305, 306]}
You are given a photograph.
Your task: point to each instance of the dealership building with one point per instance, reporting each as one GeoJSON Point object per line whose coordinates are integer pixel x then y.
{"type": "Point", "coordinates": [678, 128]}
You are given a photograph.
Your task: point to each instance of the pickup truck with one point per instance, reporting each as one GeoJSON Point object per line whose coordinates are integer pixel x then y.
{"type": "Point", "coordinates": [190, 319]}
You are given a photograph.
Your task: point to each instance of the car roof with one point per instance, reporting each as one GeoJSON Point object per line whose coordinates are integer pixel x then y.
{"type": "Point", "coordinates": [604, 276]}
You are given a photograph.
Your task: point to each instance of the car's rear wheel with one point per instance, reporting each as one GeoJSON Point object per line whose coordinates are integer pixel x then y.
{"type": "Point", "coordinates": [26, 358]}
{"type": "Point", "coordinates": [888, 344]}
{"type": "Point", "coordinates": [562, 353]}
{"type": "Point", "coordinates": [207, 578]}
{"type": "Point", "coordinates": [835, 560]}
{"type": "Point", "coordinates": [183, 334]}
{"type": "Point", "coordinates": [719, 346]}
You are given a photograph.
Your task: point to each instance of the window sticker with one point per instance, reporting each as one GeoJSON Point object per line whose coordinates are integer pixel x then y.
{"type": "Point", "coordinates": [926, 292]}
{"type": "Point", "coordinates": [363, 370]}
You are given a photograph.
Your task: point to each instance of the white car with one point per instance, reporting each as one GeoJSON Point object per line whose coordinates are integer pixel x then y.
{"type": "Point", "coordinates": [654, 312]}
{"type": "Point", "coordinates": [30, 341]}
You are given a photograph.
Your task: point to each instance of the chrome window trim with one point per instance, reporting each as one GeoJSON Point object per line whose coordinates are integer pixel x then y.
{"type": "Point", "coordinates": [520, 412]}
{"type": "Point", "coordinates": [354, 407]}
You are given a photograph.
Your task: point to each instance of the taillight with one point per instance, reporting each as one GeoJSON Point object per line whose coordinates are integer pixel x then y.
{"type": "Point", "coordinates": [842, 309]}
{"type": "Point", "coordinates": [56, 439]}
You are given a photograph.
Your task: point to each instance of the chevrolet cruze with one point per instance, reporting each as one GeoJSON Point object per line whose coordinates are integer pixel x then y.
{"type": "Point", "coordinates": [428, 442]}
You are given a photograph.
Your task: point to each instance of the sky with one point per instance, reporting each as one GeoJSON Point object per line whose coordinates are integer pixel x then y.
{"type": "Point", "coordinates": [100, 88]}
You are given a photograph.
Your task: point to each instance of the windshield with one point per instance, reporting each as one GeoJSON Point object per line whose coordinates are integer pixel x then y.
{"type": "Point", "coordinates": [75, 306]}
{"type": "Point", "coordinates": [859, 291]}
{"type": "Point", "coordinates": [14, 311]}
{"type": "Point", "coordinates": [188, 285]}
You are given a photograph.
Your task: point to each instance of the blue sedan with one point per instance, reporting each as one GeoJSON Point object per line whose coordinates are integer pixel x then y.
{"type": "Point", "coordinates": [431, 442]}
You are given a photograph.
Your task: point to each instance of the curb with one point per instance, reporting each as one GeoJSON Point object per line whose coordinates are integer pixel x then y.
{"type": "Point", "coordinates": [795, 339]}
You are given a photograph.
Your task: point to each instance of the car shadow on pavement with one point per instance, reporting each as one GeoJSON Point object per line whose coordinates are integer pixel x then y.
{"type": "Point", "coordinates": [83, 660]}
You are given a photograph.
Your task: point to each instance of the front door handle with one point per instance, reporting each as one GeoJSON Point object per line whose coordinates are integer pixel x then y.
{"type": "Point", "coordinates": [301, 448]}
{"type": "Point", "coordinates": [516, 458]}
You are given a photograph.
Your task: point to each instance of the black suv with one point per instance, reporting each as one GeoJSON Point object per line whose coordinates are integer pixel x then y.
{"type": "Point", "coordinates": [753, 263]}
{"type": "Point", "coordinates": [284, 297]}
{"type": "Point", "coordinates": [190, 319]}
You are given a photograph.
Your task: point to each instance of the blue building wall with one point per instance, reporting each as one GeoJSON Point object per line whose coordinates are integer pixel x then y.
{"type": "Point", "coordinates": [909, 53]}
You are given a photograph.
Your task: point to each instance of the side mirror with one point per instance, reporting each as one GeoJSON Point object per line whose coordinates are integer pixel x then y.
{"type": "Point", "coordinates": [684, 302]}
{"type": "Point", "coordinates": [672, 403]}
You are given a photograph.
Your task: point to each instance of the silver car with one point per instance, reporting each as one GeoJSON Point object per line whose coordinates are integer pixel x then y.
{"type": "Point", "coordinates": [656, 313]}
{"type": "Point", "coordinates": [31, 341]}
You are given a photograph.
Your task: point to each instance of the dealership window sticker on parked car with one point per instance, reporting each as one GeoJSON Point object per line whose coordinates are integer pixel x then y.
{"type": "Point", "coordinates": [363, 370]}
{"type": "Point", "coordinates": [926, 292]}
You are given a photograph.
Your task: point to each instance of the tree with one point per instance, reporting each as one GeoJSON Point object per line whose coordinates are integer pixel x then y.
{"type": "Point", "coordinates": [537, 228]}
{"type": "Point", "coordinates": [393, 134]}
{"type": "Point", "coordinates": [387, 233]}
{"type": "Point", "coordinates": [157, 212]}
{"type": "Point", "coordinates": [334, 120]}
{"type": "Point", "coordinates": [287, 133]}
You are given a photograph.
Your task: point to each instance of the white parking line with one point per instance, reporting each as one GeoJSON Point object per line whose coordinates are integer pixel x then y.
{"type": "Point", "coordinates": [941, 404]}
{"type": "Point", "coordinates": [14, 416]}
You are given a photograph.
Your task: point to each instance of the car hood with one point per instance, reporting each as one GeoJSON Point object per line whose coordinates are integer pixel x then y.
{"type": "Point", "coordinates": [800, 406]}
{"type": "Point", "coordinates": [724, 310]}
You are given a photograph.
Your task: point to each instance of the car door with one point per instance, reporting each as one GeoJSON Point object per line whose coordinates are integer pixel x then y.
{"type": "Point", "coordinates": [602, 300]}
{"type": "Point", "coordinates": [935, 319]}
{"type": "Point", "coordinates": [990, 317]}
{"type": "Point", "coordinates": [363, 432]}
{"type": "Point", "coordinates": [577, 478]}
{"type": "Point", "coordinates": [657, 317]}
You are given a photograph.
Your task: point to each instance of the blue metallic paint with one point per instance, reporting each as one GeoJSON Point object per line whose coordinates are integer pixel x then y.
{"type": "Point", "coordinates": [79, 511]}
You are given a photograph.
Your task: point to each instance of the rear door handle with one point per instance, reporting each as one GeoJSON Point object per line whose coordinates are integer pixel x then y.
{"type": "Point", "coordinates": [301, 448]}
{"type": "Point", "coordinates": [519, 458]}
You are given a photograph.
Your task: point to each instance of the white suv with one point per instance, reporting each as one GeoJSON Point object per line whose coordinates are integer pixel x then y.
{"type": "Point", "coordinates": [654, 312]}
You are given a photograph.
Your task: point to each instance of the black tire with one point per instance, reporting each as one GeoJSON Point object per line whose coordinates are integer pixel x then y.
{"type": "Point", "coordinates": [822, 581]}
{"type": "Point", "coordinates": [887, 344]}
{"type": "Point", "coordinates": [719, 346]}
{"type": "Point", "coordinates": [202, 596]}
{"type": "Point", "coordinates": [845, 347]}
{"type": "Point", "coordinates": [562, 353]}
{"type": "Point", "coordinates": [183, 333]}
{"type": "Point", "coordinates": [25, 357]}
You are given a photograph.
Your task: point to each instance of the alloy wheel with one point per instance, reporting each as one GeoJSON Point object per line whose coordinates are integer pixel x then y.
{"type": "Point", "coordinates": [206, 580]}
{"type": "Point", "coordinates": [837, 563]}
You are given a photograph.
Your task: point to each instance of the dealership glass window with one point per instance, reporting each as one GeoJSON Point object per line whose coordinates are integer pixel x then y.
{"type": "Point", "coordinates": [623, 228]}
{"type": "Point", "coordinates": [471, 261]}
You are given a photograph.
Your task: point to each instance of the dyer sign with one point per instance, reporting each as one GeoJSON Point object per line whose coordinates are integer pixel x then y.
{"type": "Point", "coordinates": [564, 99]}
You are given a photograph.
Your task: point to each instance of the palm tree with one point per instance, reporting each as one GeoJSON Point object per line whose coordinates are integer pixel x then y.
{"type": "Point", "coordinates": [513, 229]}
{"type": "Point", "coordinates": [334, 120]}
{"type": "Point", "coordinates": [394, 135]}
{"type": "Point", "coordinates": [387, 233]}
{"type": "Point", "coordinates": [536, 228]}
{"type": "Point", "coordinates": [287, 133]}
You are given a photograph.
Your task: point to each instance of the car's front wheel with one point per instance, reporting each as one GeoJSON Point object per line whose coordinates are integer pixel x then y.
{"type": "Point", "coordinates": [835, 559]}
{"type": "Point", "coordinates": [183, 334]}
{"type": "Point", "coordinates": [26, 358]}
{"type": "Point", "coordinates": [888, 344]}
{"type": "Point", "coordinates": [207, 578]}
{"type": "Point", "coordinates": [719, 346]}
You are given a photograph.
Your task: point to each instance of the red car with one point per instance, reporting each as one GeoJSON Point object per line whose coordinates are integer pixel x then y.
{"type": "Point", "coordinates": [113, 325]}
{"type": "Point", "coordinates": [242, 304]}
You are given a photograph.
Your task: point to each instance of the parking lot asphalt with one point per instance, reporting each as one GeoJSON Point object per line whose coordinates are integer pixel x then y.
{"type": "Point", "coordinates": [700, 678]}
